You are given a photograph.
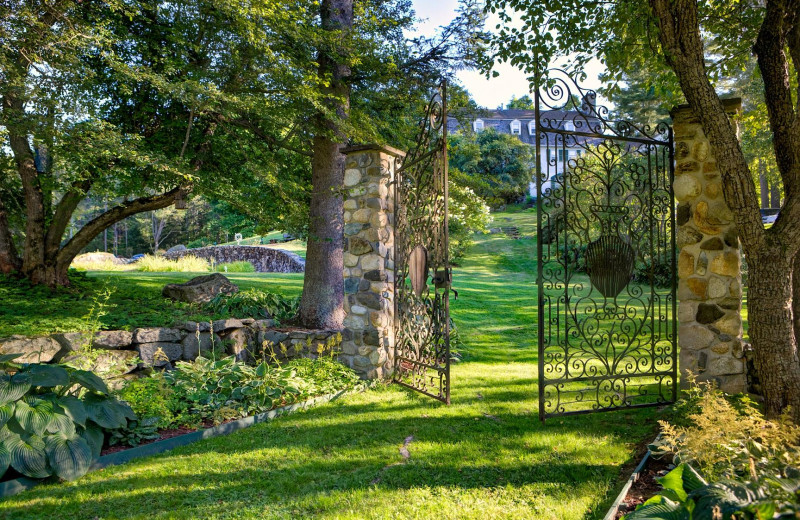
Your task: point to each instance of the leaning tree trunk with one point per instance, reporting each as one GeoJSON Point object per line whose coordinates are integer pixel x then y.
{"type": "Point", "coordinates": [321, 305]}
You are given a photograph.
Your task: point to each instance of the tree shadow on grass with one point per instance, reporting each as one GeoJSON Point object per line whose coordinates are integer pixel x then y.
{"type": "Point", "coordinates": [339, 449]}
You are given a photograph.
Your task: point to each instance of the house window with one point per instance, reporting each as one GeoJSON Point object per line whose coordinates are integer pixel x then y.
{"type": "Point", "coordinates": [569, 126]}
{"type": "Point", "coordinates": [477, 125]}
{"type": "Point", "coordinates": [563, 155]}
{"type": "Point", "coordinates": [532, 127]}
{"type": "Point", "coordinates": [516, 127]}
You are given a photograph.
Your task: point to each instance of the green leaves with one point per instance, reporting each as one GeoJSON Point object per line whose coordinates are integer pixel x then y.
{"type": "Point", "coordinates": [28, 455]}
{"type": "Point", "coordinates": [13, 387]}
{"type": "Point", "coordinates": [70, 456]}
{"type": "Point", "coordinates": [89, 380]}
{"type": "Point", "coordinates": [107, 413]}
{"type": "Point", "coordinates": [47, 375]}
{"type": "Point", "coordinates": [74, 408]}
{"type": "Point", "coordinates": [44, 433]}
{"type": "Point", "coordinates": [681, 481]}
{"type": "Point", "coordinates": [34, 415]}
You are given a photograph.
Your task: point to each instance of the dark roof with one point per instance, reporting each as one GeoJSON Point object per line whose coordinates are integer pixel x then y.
{"type": "Point", "coordinates": [501, 120]}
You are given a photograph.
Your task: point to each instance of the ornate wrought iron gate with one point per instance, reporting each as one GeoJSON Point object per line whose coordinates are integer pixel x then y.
{"type": "Point", "coordinates": [606, 249]}
{"type": "Point", "coordinates": [422, 268]}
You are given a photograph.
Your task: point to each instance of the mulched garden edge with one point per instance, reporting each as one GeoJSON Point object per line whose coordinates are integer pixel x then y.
{"type": "Point", "coordinates": [18, 485]}
{"type": "Point", "coordinates": [614, 509]}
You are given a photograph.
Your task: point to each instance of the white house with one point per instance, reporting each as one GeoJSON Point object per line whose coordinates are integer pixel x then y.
{"type": "Point", "coordinates": [522, 123]}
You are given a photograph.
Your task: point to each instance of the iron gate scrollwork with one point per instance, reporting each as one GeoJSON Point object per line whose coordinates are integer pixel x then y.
{"type": "Point", "coordinates": [422, 269]}
{"type": "Point", "coordinates": [606, 255]}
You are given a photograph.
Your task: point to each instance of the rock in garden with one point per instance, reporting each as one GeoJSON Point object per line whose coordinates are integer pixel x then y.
{"type": "Point", "coordinates": [192, 347]}
{"type": "Point", "coordinates": [200, 289]}
{"type": "Point", "coordinates": [230, 323]}
{"type": "Point", "coordinates": [159, 354]}
{"type": "Point", "coordinates": [153, 335]}
{"type": "Point", "coordinates": [112, 339]}
{"type": "Point", "coordinates": [107, 362]}
{"type": "Point", "coordinates": [73, 341]}
{"type": "Point", "coordinates": [241, 343]}
{"type": "Point", "coordinates": [33, 350]}
{"type": "Point", "coordinates": [174, 249]}
{"type": "Point", "coordinates": [193, 326]}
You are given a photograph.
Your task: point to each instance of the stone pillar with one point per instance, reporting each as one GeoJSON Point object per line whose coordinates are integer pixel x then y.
{"type": "Point", "coordinates": [368, 346]}
{"type": "Point", "coordinates": [709, 261]}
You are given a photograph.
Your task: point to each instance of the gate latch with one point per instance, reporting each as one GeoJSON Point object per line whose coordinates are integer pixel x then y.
{"type": "Point", "coordinates": [443, 279]}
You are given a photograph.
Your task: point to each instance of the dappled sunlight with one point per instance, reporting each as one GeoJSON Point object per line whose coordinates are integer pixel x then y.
{"type": "Point", "coordinates": [485, 456]}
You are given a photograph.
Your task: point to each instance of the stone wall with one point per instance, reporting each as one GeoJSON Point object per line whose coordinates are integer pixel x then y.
{"type": "Point", "coordinates": [264, 259]}
{"type": "Point", "coordinates": [369, 260]}
{"type": "Point", "coordinates": [120, 355]}
{"type": "Point", "coordinates": [709, 261]}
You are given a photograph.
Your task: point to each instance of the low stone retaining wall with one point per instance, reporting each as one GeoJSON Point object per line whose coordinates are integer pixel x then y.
{"type": "Point", "coordinates": [120, 355]}
{"type": "Point", "coordinates": [264, 259]}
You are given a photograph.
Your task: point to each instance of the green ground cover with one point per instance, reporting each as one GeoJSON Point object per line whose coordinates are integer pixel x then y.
{"type": "Point", "coordinates": [134, 300]}
{"type": "Point", "coordinates": [485, 456]}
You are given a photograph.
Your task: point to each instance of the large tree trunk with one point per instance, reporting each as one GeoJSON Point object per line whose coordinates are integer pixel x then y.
{"type": "Point", "coordinates": [769, 252]}
{"type": "Point", "coordinates": [772, 331]}
{"type": "Point", "coordinates": [9, 260]}
{"type": "Point", "coordinates": [321, 305]}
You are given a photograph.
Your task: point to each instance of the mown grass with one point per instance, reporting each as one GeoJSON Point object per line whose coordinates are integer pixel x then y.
{"type": "Point", "coordinates": [484, 457]}
{"type": "Point", "coordinates": [134, 300]}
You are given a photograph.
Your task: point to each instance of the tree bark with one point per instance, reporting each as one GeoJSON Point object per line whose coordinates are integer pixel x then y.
{"type": "Point", "coordinates": [10, 261]}
{"type": "Point", "coordinates": [321, 305]}
{"type": "Point", "coordinates": [772, 330]}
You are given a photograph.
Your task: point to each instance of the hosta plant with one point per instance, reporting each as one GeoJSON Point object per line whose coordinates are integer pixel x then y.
{"type": "Point", "coordinates": [52, 418]}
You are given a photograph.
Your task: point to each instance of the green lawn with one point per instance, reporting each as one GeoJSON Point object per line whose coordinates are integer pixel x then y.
{"type": "Point", "coordinates": [486, 456]}
{"type": "Point", "coordinates": [135, 301]}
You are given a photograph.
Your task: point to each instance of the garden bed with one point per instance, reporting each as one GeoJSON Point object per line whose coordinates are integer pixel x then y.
{"type": "Point", "coordinates": [176, 437]}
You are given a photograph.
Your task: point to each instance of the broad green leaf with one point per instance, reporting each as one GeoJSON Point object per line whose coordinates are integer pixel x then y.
{"type": "Point", "coordinates": [724, 497]}
{"type": "Point", "coordinates": [62, 424]}
{"type": "Point", "coordinates": [5, 458]}
{"type": "Point", "coordinates": [681, 481]}
{"type": "Point", "coordinates": [107, 413]}
{"type": "Point", "coordinates": [126, 410]}
{"type": "Point", "coordinates": [34, 415]}
{"type": "Point", "coordinates": [13, 387]}
{"type": "Point", "coordinates": [74, 408]}
{"type": "Point", "coordinates": [94, 437]}
{"type": "Point", "coordinates": [664, 509]}
{"type": "Point", "coordinates": [28, 455]}
{"type": "Point", "coordinates": [692, 480]}
{"type": "Point", "coordinates": [47, 375]}
{"type": "Point", "coordinates": [90, 380]}
{"type": "Point", "coordinates": [70, 456]}
{"type": "Point", "coordinates": [7, 358]}
{"type": "Point", "coordinates": [6, 413]}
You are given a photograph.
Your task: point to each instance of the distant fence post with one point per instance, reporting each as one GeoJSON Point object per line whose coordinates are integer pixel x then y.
{"type": "Point", "coordinates": [709, 262]}
{"type": "Point", "coordinates": [368, 346]}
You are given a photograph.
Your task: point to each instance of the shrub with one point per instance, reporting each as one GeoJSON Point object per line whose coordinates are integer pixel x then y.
{"type": "Point", "coordinates": [235, 267]}
{"type": "Point", "coordinates": [151, 397]}
{"type": "Point", "coordinates": [752, 464]}
{"type": "Point", "coordinates": [53, 418]}
{"type": "Point", "coordinates": [719, 433]}
{"type": "Point", "coordinates": [98, 262]}
{"type": "Point", "coordinates": [228, 389]}
{"type": "Point", "coordinates": [159, 264]}
{"type": "Point", "coordinates": [255, 303]}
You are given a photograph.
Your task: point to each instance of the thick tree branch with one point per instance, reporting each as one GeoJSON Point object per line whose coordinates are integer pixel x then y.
{"type": "Point", "coordinates": [774, 67]}
{"type": "Point", "coordinates": [109, 218]}
{"type": "Point", "coordinates": [64, 210]}
{"type": "Point", "coordinates": [270, 140]}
